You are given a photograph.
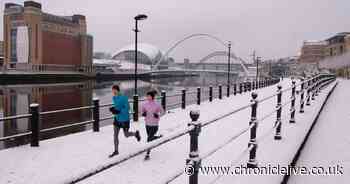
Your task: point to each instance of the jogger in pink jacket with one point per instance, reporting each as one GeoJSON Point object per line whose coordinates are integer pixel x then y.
{"type": "Point", "coordinates": [152, 111]}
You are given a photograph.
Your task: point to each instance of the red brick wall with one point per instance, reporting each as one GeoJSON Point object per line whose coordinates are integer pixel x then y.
{"type": "Point", "coordinates": [61, 49]}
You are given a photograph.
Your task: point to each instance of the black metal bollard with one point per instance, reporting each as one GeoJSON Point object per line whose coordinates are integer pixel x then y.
{"type": "Point", "coordinates": [163, 95]}
{"type": "Point", "coordinates": [210, 93]}
{"type": "Point", "coordinates": [278, 123]}
{"type": "Point", "coordinates": [136, 108]}
{"type": "Point", "coordinates": [96, 115]}
{"type": "Point", "coordinates": [292, 107]}
{"type": "Point", "coordinates": [302, 96]}
{"type": "Point", "coordinates": [193, 162]}
{"type": "Point", "coordinates": [308, 96]}
{"type": "Point", "coordinates": [245, 86]}
{"type": "Point", "coordinates": [198, 96]}
{"type": "Point", "coordinates": [183, 99]}
{"type": "Point", "coordinates": [249, 86]}
{"type": "Point", "coordinates": [228, 91]}
{"type": "Point", "coordinates": [220, 92]}
{"type": "Point", "coordinates": [240, 88]}
{"type": "Point", "coordinates": [35, 125]}
{"type": "Point", "coordinates": [252, 142]}
{"type": "Point", "coordinates": [235, 89]}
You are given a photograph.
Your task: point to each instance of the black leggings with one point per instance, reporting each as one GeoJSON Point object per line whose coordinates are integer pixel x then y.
{"type": "Point", "coordinates": [151, 132]}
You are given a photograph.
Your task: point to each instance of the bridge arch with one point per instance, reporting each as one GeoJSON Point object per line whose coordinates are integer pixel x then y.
{"type": "Point", "coordinates": [225, 53]}
{"type": "Point", "coordinates": [187, 38]}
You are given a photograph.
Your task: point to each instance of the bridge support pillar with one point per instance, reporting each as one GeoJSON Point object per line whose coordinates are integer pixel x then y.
{"type": "Point", "coordinates": [278, 123]}
{"type": "Point", "coordinates": [252, 163]}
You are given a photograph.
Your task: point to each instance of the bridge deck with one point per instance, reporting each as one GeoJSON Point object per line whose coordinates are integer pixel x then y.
{"type": "Point", "coordinates": [59, 159]}
{"type": "Point", "coordinates": [329, 142]}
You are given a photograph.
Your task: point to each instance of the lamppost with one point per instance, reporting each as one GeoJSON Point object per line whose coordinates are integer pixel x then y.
{"type": "Point", "coordinates": [257, 67]}
{"type": "Point", "coordinates": [228, 68]}
{"type": "Point", "coordinates": [137, 18]}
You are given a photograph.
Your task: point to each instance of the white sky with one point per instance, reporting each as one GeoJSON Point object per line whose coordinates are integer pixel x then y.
{"type": "Point", "coordinates": [275, 28]}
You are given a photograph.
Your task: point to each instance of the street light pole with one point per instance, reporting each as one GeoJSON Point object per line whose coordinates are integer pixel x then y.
{"type": "Point", "coordinates": [135, 77]}
{"type": "Point", "coordinates": [229, 64]}
{"type": "Point", "coordinates": [137, 18]}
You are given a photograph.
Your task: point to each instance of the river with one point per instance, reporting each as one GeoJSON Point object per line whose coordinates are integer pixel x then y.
{"type": "Point", "coordinates": [15, 99]}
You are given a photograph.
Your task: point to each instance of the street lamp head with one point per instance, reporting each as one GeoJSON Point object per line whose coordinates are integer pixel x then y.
{"type": "Point", "coordinates": [141, 17]}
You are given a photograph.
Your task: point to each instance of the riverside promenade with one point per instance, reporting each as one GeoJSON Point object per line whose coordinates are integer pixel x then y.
{"type": "Point", "coordinates": [64, 159]}
{"type": "Point", "coordinates": [329, 141]}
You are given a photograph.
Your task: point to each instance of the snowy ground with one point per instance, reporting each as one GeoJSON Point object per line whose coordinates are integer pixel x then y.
{"type": "Point", "coordinates": [329, 142]}
{"type": "Point", "coordinates": [57, 160]}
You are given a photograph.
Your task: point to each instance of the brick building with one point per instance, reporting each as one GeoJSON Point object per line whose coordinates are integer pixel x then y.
{"type": "Point", "coordinates": [312, 51]}
{"type": "Point", "coordinates": [39, 41]}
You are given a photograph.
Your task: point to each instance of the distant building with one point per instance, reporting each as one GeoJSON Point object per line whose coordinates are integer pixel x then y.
{"type": "Point", "coordinates": [338, 44]}
{"type": "Point", "coordinates": [35, 40]}
{"type": "Point", "coordinates": [312, 51]}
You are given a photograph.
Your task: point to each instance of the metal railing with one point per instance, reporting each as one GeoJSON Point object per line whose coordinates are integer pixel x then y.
{"type": "Point", "coordinates": [314, 86]}
{"type": "Point", "coordinates": [311, 87]}
{"type": "Point", "coordinates": [35, 116]}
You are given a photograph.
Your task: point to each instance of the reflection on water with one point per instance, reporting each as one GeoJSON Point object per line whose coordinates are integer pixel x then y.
{"type": "Point", "coordinates": [15, 99]}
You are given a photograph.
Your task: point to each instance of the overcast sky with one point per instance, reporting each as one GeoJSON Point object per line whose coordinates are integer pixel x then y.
{"type": "Point", "coordinates": [274, 28]}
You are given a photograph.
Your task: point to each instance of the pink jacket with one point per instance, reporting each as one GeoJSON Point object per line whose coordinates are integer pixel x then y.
{"type": "Point", "coordinates": [150, 107]}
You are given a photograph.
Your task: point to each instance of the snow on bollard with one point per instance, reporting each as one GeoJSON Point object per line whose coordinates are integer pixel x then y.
{"type": "Point", "coordinates": [254, 125]}
{"type": "Point", "coordinates": [278, 123]}
{"type": "Point", "coordinates": [292, 108]}
{"type": "Point", "coordinates": [194, 161]}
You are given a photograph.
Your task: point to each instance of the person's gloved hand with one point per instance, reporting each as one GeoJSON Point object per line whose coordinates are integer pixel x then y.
{"type": "Point", "coordinates": [114, 110]}
{"type": "Point", "coordinates": [155, 115]}
{"type": "Point", "coordinates": [144, 114]}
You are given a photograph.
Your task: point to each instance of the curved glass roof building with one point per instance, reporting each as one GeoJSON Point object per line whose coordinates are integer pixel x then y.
{"type": "Point", "coordinates": [146, 53]}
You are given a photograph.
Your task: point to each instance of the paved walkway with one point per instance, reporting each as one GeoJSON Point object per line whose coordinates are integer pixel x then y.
{"type": "Point", "coordinates": [329, 142]}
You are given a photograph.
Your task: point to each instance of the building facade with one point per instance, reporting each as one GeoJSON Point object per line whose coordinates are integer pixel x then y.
{"type": "Point", "coordinates": [36, 40]}
{"type": "Point", "coordinates": [338, 44]}
{"type": "Point", "coordinates": [312, 51]}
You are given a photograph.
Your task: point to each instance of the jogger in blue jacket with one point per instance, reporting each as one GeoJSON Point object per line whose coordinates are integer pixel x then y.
{"type": "Point", "coordinates": [120, 110]}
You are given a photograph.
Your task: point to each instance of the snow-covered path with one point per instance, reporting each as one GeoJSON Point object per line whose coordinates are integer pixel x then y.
{"type": "Point", "coordinates": [329, 142]}
{"type": "Point", "coordinates": [57, 160]}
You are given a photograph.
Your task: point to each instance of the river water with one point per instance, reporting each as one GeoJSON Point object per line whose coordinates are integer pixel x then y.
{"type": "Point", "coordinates": [15, 99]}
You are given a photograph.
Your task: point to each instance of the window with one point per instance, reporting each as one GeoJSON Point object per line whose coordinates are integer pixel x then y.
{"type": "Point", "coordinates": [13, 40]}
